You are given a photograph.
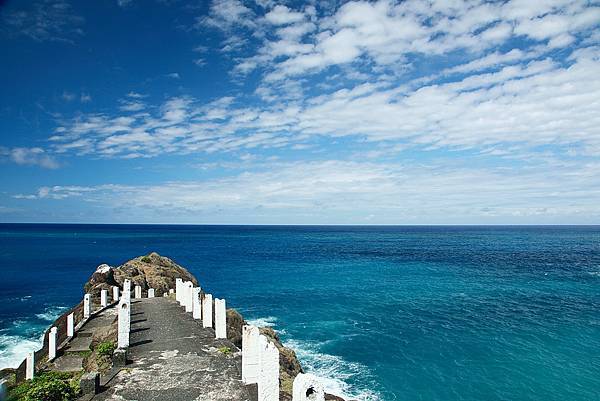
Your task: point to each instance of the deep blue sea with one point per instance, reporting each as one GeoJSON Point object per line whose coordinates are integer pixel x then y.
{"type": "Point", "coordinates": [383, 313]}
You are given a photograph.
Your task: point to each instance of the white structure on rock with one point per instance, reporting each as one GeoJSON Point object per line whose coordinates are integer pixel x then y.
{"type": "Point", "coordinates": [250, 360]}
{"type": "Point", "coordinates": [196, 303]}
{"type": "Point", "coordinates": [178, 289]}
{"type": "Point", "coordinates": [126, 290]}
{"type": "Point", "coordinates": [268, 375]}
{"type": "Point", "coordinates": [71, 325]}
{"type": "Point", "coordinates": [138, 292]}
{"type": "Point", "coordinates": [307, 388]}
{"type": "Point", "coordinates": [87, 306]}
{"type": "Point", "coordinates": [207, 311]}
{"type": "Point", "coordinates": [151, 293]}
{"type": "Point", "coordinates": [220, 318]}
{"type": "Point", "coordinates": [52, 343]}
{"type": "Point", "coordinates": [115, 294]}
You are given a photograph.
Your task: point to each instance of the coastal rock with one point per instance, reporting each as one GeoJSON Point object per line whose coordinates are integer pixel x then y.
{"type": "Point", "coordinates": [235, 322]}
{"type": "Point", "coordinates": [149, 271]}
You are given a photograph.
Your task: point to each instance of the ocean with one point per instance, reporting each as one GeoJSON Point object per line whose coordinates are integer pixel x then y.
{"type": "Point", "coordinates": [381, 313]}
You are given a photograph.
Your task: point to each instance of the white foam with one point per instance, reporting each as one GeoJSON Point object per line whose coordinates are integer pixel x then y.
{"type": "Point", "coordinates": [268, 321]}
{"type": "Point", "coordinates": [15, 349]}
{"type": "Point", "coordinates": [51, 313]}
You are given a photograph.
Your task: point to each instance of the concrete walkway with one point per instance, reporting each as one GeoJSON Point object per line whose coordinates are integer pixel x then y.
{"type": "Point", "coordinates": [172, 358]}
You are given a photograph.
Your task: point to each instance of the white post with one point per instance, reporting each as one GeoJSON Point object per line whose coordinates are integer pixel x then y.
{"type": "Point", "coordinates": [207, 308]}
{"type": "Point", "coordinates": [178, 289]}
{"type": "Point", "coordinates": [196, 305]}
{"type": "Point", "coordinates": [171, 291]}
{"type": "Point", "coordinates": [71, 325]}
{"type": "Point", "coordinates": [307, 387]}
{"type": "Point", "coordinates": [52, 344]}
{"type": "Point", "coordinates": [30, 366]}
{"type": "Point", "coordinates": [250, 360]}
{"type": "Point", "coordinates": [138, 291]}
{"type": "Point", "coordinates": [220, 319]}
{"type": "Point", "coordinates": [189, 286]}
{"type": "Point", "coordinates": [151, 293]}
{"type": "Point", "coordinates": [268, 376]}
{"type": "Point", "coordinates": [165, 295]}
{"type": "Point", "coordinates": [103, 298]}
{"type": "Point", "coordinates": [126, 291]}
{"type": "Point", "coordinates": [87, 306]}
{"type": "Point", "coordinates": [115, 295]}
{"type": "Point", "coordinates": [124, 324]}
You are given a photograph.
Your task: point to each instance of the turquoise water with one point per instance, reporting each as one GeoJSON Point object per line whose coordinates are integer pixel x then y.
{"type": "Point", "coordinates": [383, 313]}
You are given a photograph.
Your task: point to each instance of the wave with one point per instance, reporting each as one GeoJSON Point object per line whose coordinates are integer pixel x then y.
{"type": "Point", "coordinates": [335, 372]}
{"type": "Point", "coordinates": [14, 349]}
{"type": "Point", "coordinates": [51, 313]}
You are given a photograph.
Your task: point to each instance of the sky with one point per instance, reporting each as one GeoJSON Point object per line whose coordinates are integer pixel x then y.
{"type": "Point", "coordinates": [319, 112]}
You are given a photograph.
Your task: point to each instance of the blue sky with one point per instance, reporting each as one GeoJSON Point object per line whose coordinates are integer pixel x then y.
{"type": "Point", "coordinates": [261, 112]}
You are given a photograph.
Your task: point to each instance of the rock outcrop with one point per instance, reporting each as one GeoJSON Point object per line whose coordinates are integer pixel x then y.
{"type": "Point", "coordinates": [150, 271]}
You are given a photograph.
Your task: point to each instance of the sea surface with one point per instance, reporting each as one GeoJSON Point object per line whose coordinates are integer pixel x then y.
{"type": "Point", "coordinates": [382, 313]}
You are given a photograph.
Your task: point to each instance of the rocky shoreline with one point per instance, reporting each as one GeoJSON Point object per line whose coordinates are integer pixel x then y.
{"type": "Point", "coordinates": [157, 272]}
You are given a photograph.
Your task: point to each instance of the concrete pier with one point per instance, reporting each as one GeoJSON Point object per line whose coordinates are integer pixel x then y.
{"type": "Point", "coordinates": [220, 318]}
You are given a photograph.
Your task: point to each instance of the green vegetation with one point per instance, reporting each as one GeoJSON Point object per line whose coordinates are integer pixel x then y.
{"type": "Point", "coordinates": [105, 349]}
{"type": "Point", "coordinates": [47, 386]}
{"type": "Point", "coordinates": [225, 350]}
{"type": "Point", "coordinates": [146, 259]}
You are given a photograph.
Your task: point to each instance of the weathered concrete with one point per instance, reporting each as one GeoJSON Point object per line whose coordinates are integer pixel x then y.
{"type": "Point", "coordinates": [124, 324]}
{"type": "Point", "coordinates": [30, 366]}
{"type": "Point", "coordinates": [173, 358]}
{"type": "Point", "coordinates": [250, 357]}
{"type": "Point", "coordinates": [307, 387]}
{"type": "Point", "coordinates": [196, 304]}
{"type": "Point", "coordinates": [68, 363]}
{"type": "Point", "coordinates": [268, 375]}
{"type": "Point", "coordinates": [52, 343]}
{"type": "Point", "coordinates": [220, 319]}
{"type": "Point", "coordinates": [90, 383]}
{"type": "Point", "coordinates": [87, 306]}
{"type": "Point", "coordinates": [207, 310]}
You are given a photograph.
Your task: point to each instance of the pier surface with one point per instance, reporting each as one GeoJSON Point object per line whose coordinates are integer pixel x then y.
{"type": "Point", "coordinates": [172, 357]}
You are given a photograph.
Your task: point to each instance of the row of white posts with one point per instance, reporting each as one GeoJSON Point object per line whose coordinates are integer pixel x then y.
{"type": "Point", "coordinates": [53, 335]}
{"type": "Point", "coordinates": [201, 308]}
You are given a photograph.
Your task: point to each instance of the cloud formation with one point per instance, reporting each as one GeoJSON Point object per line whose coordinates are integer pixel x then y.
{"type": "Point", "coordinates": [29, 157]}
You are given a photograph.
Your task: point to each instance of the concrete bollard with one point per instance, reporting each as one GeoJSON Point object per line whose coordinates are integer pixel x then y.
{"type": "Point", "coordinates": [171, 291]}
{"type": "Point", "coordinates": [126, 291]}
{"type": "Point", "coordinates": [250, 360]}
{"type": "Point", "coordinates": [196, 304]}
{"type": "Point", "coordinates": [30, 366]}
{"type": "Point", "coordinates": [115, 294]}
{"type": "Point", "coordinates": [103, 298]}
{"type": "Point", "coordinates": [189, 286]}
{"type": "Point", "coordinates": [151, 293]}
{"type": "Point", "coordinates": [220, 319]}
{"type": "Point", "coordinates": [178, 289]}
{"type": "Point", "coordinates": [124, 324]}
{"type": "Point", "coordinates": [87, 306]}
{"type": "Point", "coordinates": [138, 292]}
{"type": "Point", "coordinates": [307, 387]}
{"type": "Point", "coordinates": [71, 325]}
{"type": "Point", "coordinates": [207, 308]}
{"type": "Point", "coordinates": [52, 343]}
{"type": "Point", "coordinates": [268, 375]}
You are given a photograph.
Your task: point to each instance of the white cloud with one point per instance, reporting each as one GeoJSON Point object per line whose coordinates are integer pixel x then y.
{"type": "Point", "coordinates": [29, 157]}
{"type": "Point", "coordinates": [340, 192]}
{"type": "Point", "coordinates": [282, 15]}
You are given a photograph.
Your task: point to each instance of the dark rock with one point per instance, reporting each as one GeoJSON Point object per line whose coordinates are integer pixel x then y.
{"type": "Point", "coordinates": [119, 358]}
{"type": "Point", "coordinates": [235, 322]}
{"type": "Point", "coordinates": [90, 383]}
